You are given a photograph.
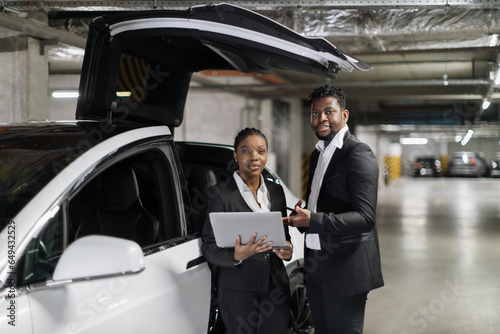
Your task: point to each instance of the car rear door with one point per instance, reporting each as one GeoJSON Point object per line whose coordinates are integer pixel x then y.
{"type": "Point", "coordinates": [138, 65]}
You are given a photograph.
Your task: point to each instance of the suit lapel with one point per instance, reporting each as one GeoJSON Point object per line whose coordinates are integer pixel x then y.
{"type": "Point", "coordinates": [237, 199]}
{"type": "Point", "coordinates": [240, 203]}
{"type": "Point", "coordinates": [332, 166]}
{"type": "Point", "coordinates": [313, 162]}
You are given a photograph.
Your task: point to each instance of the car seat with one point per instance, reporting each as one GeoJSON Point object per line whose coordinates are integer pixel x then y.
{"type": "Point", "coordinates": [120, 212]}
{"type": "Point", "coordinates": [199, 183]}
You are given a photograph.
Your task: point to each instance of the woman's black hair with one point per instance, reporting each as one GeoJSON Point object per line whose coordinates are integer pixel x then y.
{"type": "Point", "coordinates": [245, 133]}
{"type": "Point", "coordinates": [328, 91]}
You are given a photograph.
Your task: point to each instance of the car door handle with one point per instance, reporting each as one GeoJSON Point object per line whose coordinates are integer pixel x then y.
{"type": "Point", "coordinates": [195, 262]}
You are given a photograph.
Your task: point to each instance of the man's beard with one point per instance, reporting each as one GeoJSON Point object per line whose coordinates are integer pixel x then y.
{"type": "Point", "coordinates": [326, 138]}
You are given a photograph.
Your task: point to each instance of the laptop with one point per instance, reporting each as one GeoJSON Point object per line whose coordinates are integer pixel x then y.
{"type": "Point", "coordinates": [228, 225]}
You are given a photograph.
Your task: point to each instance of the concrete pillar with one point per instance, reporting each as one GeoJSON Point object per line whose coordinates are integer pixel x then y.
{"type": "Point", "coordinates": [368, 135]}
{"type": "Point", "coordinates": [296, 139]}
{"type": "Point", "coordinates": [267, 122]}
{"type": "Point", "coordinates": [24, 77]}
{"type": "Point", "coordinates": [266, 126]}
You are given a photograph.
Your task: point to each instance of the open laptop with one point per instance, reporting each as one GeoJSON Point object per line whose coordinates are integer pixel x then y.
{"type": "Point", "coordinates": [228, 225]}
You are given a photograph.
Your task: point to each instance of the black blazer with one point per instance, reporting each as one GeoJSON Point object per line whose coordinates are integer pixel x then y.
{"type": "Point", "coordinates": [345, 220]}
{"type": "Point", "coordinates": [257, 272]}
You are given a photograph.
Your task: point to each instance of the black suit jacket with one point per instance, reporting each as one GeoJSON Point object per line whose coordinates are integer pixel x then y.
{"type": "Point", "coordinates": [256, 272]}
{"type": "Point", "coordinates": [349, 259]}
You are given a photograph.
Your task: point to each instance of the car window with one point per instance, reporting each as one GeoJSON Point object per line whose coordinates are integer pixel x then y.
{"type": "Point", "coordinates": [25, 170]}
{"type": "Point", "coordinates": [44, 251]}
{"type": "Point", "coordinates": [134, 199]}
{"type": "Point", "coordinates": [148, 88]}
{"type": "Point", "coordinates": [138, 80]}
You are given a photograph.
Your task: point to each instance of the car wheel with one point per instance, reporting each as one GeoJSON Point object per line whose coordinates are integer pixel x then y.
{"type": "Point", "coordinates": [300, 312]}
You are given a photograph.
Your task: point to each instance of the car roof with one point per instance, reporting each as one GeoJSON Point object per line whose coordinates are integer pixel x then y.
{"type": "Point", "coordinates": [164, 48]}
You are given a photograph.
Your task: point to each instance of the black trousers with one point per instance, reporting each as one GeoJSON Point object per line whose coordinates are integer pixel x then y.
{"type": "Point", "coordinates": [333, 314]}
{"type": "Point", "coordinates": [245, 312]}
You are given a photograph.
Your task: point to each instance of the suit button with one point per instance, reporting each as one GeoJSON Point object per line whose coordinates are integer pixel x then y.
{"type": "Point", "coordinates": [266, 256]}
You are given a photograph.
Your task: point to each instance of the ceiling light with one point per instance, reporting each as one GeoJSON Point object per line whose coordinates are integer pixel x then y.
{"type": "Point", "coordinates": [493, 40]}
{"type": "Point", "coordinates": [486, 104]}
{"type": "Point", "coordinates": [413, 141]}
{"type": "Point", "coordinates": [445, 79]}
{"type": "Point", "coordinates": [497, 79]}
{"type": "Point", "coordinates": [65, 94]}
{"type": "Point", "coordinates": [467, 137]}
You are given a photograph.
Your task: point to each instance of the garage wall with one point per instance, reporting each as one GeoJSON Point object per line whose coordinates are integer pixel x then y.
{"type": "Point", "coordinates": [62, 109]}
{"type": "Point", "coordinates": [24, 81]}
{"type": "Point", "coordinates": [216, 117]}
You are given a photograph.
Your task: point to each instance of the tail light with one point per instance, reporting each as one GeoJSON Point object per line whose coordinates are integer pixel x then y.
{"type": "Point", "coordinates": [472, 161]}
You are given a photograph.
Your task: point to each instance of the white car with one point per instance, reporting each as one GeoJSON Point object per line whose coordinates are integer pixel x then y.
{"type": "Point", "coordinates": [96, 223]}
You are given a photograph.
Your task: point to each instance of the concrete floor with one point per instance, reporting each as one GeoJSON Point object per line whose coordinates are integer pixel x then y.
{"type": "Point", "coordinates": [440, 248]}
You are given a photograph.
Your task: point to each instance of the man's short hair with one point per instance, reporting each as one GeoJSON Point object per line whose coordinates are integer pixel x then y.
{"type": "Point", "coordinates": [328, 91]}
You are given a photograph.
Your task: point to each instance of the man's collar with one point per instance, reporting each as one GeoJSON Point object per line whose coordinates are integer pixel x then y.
{"type": "Point", "coordinates": [337, 141]}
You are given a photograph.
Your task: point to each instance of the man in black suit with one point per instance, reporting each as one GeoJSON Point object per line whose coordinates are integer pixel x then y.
{"type": "Point", "coordinates": [342, 251]}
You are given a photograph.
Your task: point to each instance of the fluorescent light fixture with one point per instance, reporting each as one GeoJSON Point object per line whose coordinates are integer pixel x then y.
{"type": "Point", "coordinates": [493, 40]}
{"type": "Point", "coordinates": [65, 94]}
{"type": "Point", "coordinates": [497, 79]}
{"type": "Point", "coordinates": [486, 104]}
{"type": "Point", "coordinates": [413, 141]}
{"type": "Point", "coordinates": [445, 80]}
{"type": "Point", "coordinates": [123, 94]}
{"type": "Point", "coordinates": [467, 137]}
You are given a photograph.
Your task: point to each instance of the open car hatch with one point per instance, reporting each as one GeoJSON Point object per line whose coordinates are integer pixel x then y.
{"type": "Point", "coordinates": [138, 65]}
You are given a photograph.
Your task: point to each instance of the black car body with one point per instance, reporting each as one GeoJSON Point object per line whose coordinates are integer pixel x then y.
{"type": "Point", "coordinates": [426, 166]}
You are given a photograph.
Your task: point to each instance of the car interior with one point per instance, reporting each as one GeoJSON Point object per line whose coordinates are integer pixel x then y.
{"type": "Point", "coordinates": [120, 212]}
{"type": "Point", "coordinates": [200, 180]}
{"type": "Point", "coordinates": [133, 199]}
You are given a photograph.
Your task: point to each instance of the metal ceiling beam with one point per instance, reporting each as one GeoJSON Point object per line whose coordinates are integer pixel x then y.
{"type": "Point", "coordinates": [357, 84]}
{"type": "Point", "coordinates": [38, 30]}
{"type": "Point", "coordinates": [50, 5]}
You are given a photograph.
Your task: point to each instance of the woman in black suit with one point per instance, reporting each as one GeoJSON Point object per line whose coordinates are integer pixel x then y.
{"type": "Point", "coordinates": [254, 292]}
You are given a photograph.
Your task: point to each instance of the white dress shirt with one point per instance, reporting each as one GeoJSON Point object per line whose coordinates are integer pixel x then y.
{"type": "Point", "coordinates": [325, 155]}
{"type": "Point", "coordinates": [262, 194]}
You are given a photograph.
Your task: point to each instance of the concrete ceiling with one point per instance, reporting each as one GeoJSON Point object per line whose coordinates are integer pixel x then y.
{"type": "Point", "coordinates": [433, 61]}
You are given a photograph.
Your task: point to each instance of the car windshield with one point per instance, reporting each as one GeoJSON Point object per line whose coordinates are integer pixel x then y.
{"type": "Point", "coordinates": [29, 159]}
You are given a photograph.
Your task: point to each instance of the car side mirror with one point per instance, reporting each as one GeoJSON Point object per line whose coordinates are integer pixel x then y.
{"type": "Point", "coordinates": [97, 256]}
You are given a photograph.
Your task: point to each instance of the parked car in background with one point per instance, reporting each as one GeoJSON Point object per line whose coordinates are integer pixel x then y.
{"type": "Point", "coordinates": [495, 166]}
{"type": "Point", "coordinates": [467, 164]}
{"type": "Point", "coordinates": [426, 166]}
{"type": "Point", "coordinates": [97, 231]}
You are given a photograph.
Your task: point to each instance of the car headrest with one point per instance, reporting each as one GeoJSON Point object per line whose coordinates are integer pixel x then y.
{"type": "Point", "coordinates": [120, 190]}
